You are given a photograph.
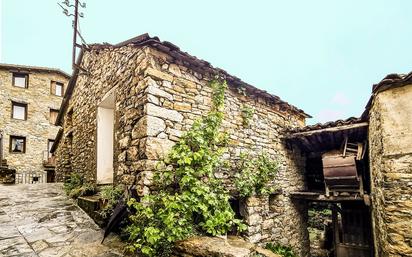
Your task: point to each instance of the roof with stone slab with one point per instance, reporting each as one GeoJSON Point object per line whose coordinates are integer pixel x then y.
{"type": "Point", "coordinates": [26, 68]}
{"type": "Point", "coordinates": [330, 124]}
{"type": "Point", "coordinates": [202, 66]}
{"type": "Point", "coordinates": [186, 59]}
{"type": "Point", "coordinates": [393, 80]}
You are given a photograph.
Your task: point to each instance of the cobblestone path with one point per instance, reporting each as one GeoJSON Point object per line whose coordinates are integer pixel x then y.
{"type": "Point", "coordinates": [39, 220]}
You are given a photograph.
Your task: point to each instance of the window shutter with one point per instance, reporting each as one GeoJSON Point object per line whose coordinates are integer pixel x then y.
{"type": "Point", "coordinates": [53, 88]}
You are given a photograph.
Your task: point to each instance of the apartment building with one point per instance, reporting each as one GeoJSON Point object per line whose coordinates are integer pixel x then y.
{"type": "Point", "coordinates": [30, 99]}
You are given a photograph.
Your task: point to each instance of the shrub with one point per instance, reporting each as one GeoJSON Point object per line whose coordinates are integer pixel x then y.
{"type": "Point", "coordinates": [285, 251]}
{"type": "Point", "coordinates": [110, 195]}
{"type": "Point", "coordinates": [254, 174]}
{"type": "Point", "coordinates": [247, 114]}
{"type": "Point", "coordinates": [189, 199]}
{"type": "Point", "coordinates": [76, 186]}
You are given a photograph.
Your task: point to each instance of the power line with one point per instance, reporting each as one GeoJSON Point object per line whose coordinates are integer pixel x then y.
{"type": "Point", "coordinates": [76, 28]}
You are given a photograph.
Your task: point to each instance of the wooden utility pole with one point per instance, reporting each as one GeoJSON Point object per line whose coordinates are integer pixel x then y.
{"type": "Point", "coordinates": [76, 14]}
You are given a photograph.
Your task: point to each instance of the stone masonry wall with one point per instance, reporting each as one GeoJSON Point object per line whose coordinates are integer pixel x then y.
{"type": "Point", "coordinates": [176, 90]}
{"type": "Point", "coordinates": [157, 99]}
{"type": "Point", "coordinates": [390, 140]}
{"type": "Point", "coordinates": [107, 69]}
{"type": "Point", "coordinates": [37, 128]}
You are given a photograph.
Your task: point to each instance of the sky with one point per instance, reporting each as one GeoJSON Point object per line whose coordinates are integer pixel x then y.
{"type": "Point", "coordinates": [322, 56]}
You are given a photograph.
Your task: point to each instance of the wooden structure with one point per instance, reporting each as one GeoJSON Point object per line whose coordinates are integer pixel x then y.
{"type": "Point", "coordinates": [337, 173]}
{"type": "Point", "coordinates": [352, 230]}
{"type": "Point", "coordinates": [340, 170]}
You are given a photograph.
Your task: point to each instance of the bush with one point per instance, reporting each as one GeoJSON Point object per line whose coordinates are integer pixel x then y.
{"type": "Point", "coordinates": [285, 251]}
{"type": "Point", "coordinates": [76, 186]}
{"type": "Point", "coordinates": [189, 199]}
{"type": "Point", "coordinates": [254, 174]}
{"type": "Point", "coordinates": [110, 195]}
{"type": "Point", "coordinates": [247, 114]}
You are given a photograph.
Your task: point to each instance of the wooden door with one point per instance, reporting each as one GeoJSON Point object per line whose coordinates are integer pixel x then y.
{"type": "Point", "coordinates": [353, 237]}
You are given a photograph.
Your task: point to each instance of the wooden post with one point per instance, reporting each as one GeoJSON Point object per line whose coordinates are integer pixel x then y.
{"type": "Point", "coordinates": [335, 223]}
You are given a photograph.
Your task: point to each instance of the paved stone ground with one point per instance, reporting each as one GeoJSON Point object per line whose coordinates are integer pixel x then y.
{"type": "Point", "coordinates": [39, 220]}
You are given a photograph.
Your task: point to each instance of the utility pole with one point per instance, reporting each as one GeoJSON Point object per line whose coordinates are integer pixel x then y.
{"type": "Point", "coordinates": [76, 31]}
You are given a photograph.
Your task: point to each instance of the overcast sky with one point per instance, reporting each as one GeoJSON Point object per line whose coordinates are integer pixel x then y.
{"type": "Point", "coordinates": [322, 56]}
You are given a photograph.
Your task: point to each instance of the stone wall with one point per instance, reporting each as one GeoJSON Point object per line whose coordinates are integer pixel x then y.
{"type": "Point", "coordinates": [157, 99]}
{"type": "Point", "coordinates": [107, 69]}
{"type": "Point", "coordinates": [390, 140]}
{"type": "Point", "coordinates": [37, 129]}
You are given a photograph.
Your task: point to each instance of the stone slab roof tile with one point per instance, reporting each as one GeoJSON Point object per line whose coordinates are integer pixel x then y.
{"type": "Point", "coordinates": [330, 124]}
{"type": "Point", "coordinates": [392, 80]}
{"type": "Point", "coordinates": [197, 64]}
{"type": "Point", "coordinates": [32, 68]}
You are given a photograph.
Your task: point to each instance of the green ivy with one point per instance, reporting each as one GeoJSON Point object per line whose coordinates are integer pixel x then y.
{"type": "Point", "coordinates": [247, 114]}
{"type": "Point", "coordinates": [284, 251]}
{"type": "Point", "coordinates": [76, 186]}
{"type": "Point", "coordinates": [189, 198]}
{"type": "Point", "coordinates": [109, 196]}
{"type": "Point", "coordinates": [254, 174]}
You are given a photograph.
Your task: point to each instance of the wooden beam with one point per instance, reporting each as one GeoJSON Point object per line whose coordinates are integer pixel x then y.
{"type": "Point", "coordinates": [321, 197]}
{"type": "Point", "coordinates": [332, 129]}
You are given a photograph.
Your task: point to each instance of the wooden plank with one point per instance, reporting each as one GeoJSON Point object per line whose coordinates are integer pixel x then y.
{"type": "Point", "coordinates": [320, 197]}
{"type": "Point", "coordinates": [332, 129]}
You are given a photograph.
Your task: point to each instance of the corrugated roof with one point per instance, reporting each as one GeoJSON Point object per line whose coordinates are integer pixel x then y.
{"type": "Point", "coordinates": [26, 68]}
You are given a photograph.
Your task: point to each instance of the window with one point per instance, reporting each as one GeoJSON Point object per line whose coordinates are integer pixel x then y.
{"type": "Point", "coordinates": [17, 144]}
{"type": "Point", "coordinates": [20, 80]}
{"type": "Point", "coordinates": [50, 143]}
{"type": "Point", "coordinates": [19, 111]}
{"type": "Point", "coordinates": [56, 88]}
{"type": "Point", "coordinates": [53, 116]}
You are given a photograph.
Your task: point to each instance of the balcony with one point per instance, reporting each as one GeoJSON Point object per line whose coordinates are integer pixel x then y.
{"type": "Point", "coordinates": [49, 160]}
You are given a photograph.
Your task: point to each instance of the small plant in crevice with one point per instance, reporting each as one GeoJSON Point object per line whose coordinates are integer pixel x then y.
{"type": "Point", "coordinates": [75, 186]}
{"type": "Point", "coordinates": [284, 251]}
{"type": "Point", "coordinates": [255, 174]}
{"type": "Point", "coordinates": [247, 115]}
{"type": "Point", "coordinates": [242, 91]}
{"type": "Point", "coordinates": [109, 196]}
{"type": "Point", "coordinates": [189, 199]}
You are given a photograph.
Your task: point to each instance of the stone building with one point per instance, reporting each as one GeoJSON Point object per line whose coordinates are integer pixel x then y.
{"type": "Point", "coordinates": [389, 113]}
{"type": "Point", "coordinates": [371, 209]}
{"type": "Point", "coordinates": [129, 103]}
{"type": "Point", "coordinates": [30, 99]}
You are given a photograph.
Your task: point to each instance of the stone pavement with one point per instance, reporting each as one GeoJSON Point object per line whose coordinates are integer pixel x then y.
{"type": "Point", "coordinates": [39, 220]}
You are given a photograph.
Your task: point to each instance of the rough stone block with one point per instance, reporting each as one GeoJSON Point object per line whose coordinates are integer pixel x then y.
{"type": "Point", "coordinates": [164, 113]}
{"type": "Point", "coordinates": [155, 148]}
{"type": "Point", "coordinates": [158, 74]}
{"type": "Point", "coordinates": [148, 126]}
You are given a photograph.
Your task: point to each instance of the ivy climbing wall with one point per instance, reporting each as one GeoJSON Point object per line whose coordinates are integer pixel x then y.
{"type": "Point", "coordinates": [158, 97]}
